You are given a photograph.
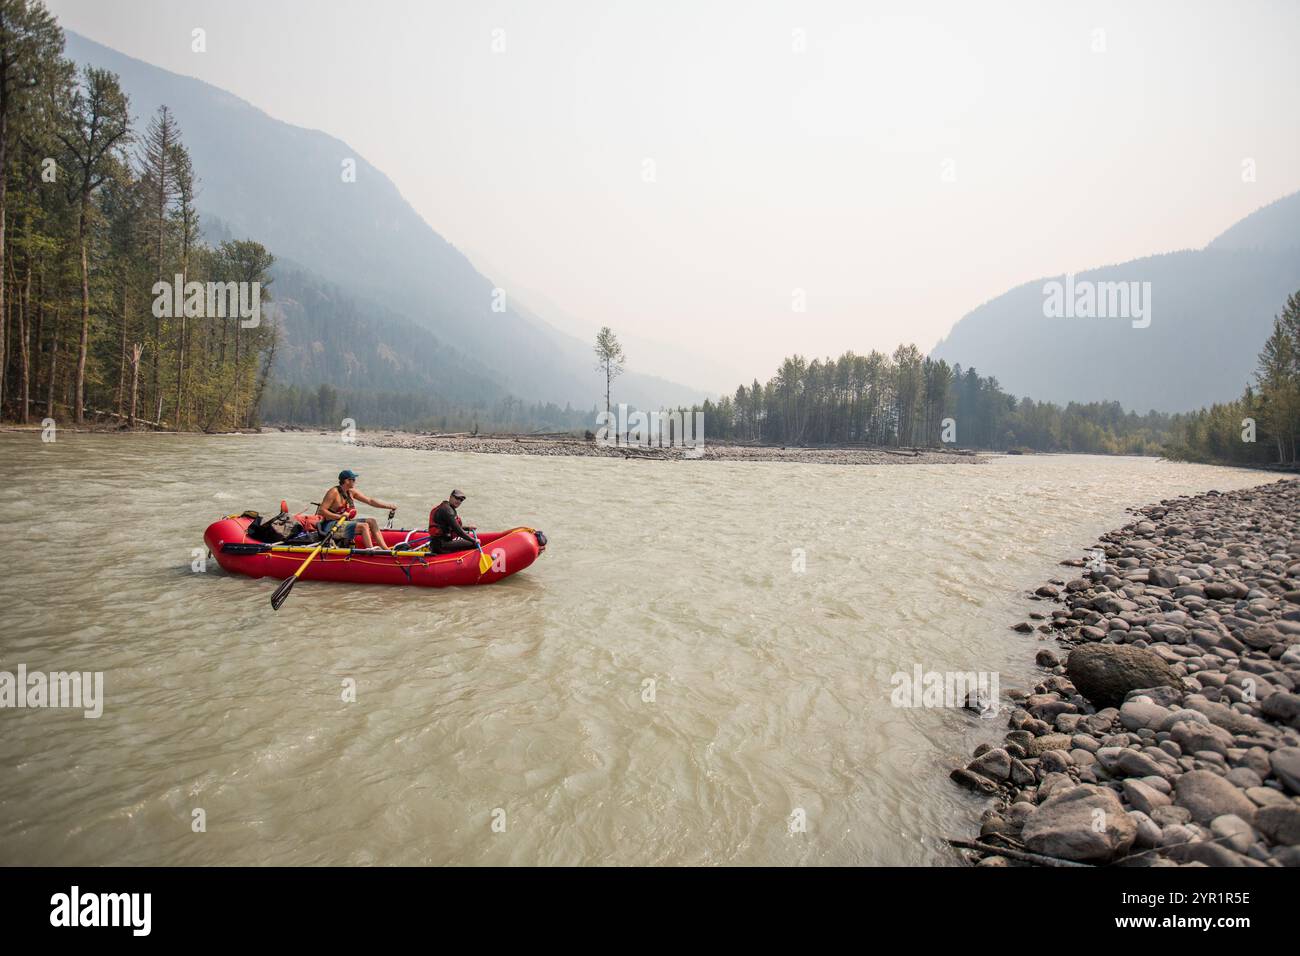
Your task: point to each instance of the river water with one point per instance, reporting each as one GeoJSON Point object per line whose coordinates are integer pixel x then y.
{"type": "Point", "coordinates": [671, 683]}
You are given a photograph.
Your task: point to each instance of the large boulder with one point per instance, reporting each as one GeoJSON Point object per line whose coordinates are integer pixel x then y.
{"type": "Point", "coordinates": [1105, 673]}
{"type": "Point", "coordinates": [1084, 823]}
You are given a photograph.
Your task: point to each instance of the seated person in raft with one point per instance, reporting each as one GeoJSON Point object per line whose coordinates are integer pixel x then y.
{"type": "Point", "coordinates": [446, 533]}
{"type": "Point", "coordinates": [339, 503]}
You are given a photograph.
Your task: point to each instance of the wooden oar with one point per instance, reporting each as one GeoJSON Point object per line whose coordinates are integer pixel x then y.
{"type": "Point", "coordinates": [282, 592]}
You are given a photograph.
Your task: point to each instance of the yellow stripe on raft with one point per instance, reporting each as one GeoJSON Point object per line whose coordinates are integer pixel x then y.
{"type": "Point", "coordinates": [289, 551]}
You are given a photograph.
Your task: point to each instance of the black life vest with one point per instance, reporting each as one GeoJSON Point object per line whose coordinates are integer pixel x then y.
{"type": "Point", "coordinates": [347, 498]}
{"type": "Point", "coordinates": [436, 530]}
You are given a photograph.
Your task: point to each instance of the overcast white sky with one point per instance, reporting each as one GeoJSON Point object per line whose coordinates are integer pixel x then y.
{"type": "Point", "coordinates": [821, 170]}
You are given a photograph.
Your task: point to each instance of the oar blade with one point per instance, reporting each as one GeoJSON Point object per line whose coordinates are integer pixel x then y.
{"type": "Point", "coordinates": [282, 592]}
{"type": "Point", "coordinates": [484, 563]}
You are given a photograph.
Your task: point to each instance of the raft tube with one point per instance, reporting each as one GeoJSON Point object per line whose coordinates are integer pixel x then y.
{"type": "Point", "coordinates": [511, 551]}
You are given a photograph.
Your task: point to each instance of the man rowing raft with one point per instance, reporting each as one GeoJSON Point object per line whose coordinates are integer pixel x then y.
{"type": "Point", "coordinates": [339, 504]}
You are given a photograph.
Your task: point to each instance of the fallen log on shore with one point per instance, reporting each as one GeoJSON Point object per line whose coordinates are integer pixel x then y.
{"type": "Point", "coordinates": [1019, 856]}
{"type": "Point", "coordinates": [103, 413]}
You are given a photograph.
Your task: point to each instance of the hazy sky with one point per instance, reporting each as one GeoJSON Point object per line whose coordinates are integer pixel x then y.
{"type": "Point", "coordinates": [912, 162]}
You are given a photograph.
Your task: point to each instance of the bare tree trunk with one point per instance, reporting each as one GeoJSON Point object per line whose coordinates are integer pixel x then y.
{"type": "Point", "coordinates": [156, 358]}
{"type": "Point", "coordinates": [4, 342]}
{"type": "Point", "coordinates": [135, 382]}
{"type": "Point", "coordinates": [121, 355]}
{"type": "Point", "coordinates": [157, 364]}
{"type": "Point", "coordinates": [180, 372]}
{"type": "Point", "coordinates": [234, 389]}
{"type": "Point", "coordinates": [4, 185]}
{"type": "Point", "coordinates": [180, 358]}
{"type": "Point", "coordinates": [24, 354]}
{"type": "Point", "coordinates": [54, 366]}
{"type": "Point", "coordinates": [261, 385]}
{"type": "Point", "coordinates": [85, 317]}
{"type": "Point", "coordinates": [38, 330]}
{"type": "Point", "coordinates": [218, 401]}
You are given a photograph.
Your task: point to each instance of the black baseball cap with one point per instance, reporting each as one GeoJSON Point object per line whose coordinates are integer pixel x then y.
{"type": "Point", "coordinates": [457, 493]}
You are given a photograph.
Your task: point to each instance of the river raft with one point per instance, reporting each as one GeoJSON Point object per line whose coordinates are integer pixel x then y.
{"type": "Point", "coordinates": [510, 552]}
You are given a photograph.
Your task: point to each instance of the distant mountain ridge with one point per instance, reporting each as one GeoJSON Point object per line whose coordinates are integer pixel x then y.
{"type": "Point", "coordinates": [1212, 308]}
{"type": "Point", "coordinates": [1274, 227]}
{"type": "Point", "coordinates": [330, 339]}
{"type": "Point", "coordinates": [283, 186]}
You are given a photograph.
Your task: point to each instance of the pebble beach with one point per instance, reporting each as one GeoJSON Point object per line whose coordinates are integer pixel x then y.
{"type": "Point", "coordinates": [1165, 730]}
{"type": "Point", "coordinates": [550, 445]}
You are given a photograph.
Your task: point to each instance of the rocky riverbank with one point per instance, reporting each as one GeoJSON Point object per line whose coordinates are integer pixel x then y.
{"type": "Point", "coordinates": [524, 445]}
{"type": "Point", "coordinates": [1168, 732]}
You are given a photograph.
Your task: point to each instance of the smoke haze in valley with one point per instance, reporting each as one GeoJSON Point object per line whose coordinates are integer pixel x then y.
{"type": "Point", "coordinates": [774, 169]}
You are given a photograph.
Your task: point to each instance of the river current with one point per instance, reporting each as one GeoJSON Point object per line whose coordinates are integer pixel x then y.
{"type": "Point", "coordinates": [697, 671]}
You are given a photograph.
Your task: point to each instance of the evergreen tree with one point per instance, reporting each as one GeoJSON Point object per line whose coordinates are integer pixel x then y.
{"type": "Point", "coordinates": [97, 125]}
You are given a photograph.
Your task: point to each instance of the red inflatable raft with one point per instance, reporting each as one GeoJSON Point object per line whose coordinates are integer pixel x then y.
{"type": "Point", "coordinates": [511, 551]}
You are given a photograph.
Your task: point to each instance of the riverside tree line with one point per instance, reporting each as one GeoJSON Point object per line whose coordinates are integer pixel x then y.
{"type": "Point", "coordinates": [326, 406]}
{"type": "Point", "coordinates": [94, 213]}
{"type": "Point", "coordinates": [907, 399]}
{"type": "Point", "coordinates": [1262, 426]}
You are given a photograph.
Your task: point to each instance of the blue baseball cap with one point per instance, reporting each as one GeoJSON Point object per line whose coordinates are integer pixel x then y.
{"type": "Point", "coordinates": [347, 473]}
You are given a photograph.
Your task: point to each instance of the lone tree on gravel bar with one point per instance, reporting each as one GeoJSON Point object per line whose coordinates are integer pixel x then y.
{"type": "Point", "coordinates": [609, 358]}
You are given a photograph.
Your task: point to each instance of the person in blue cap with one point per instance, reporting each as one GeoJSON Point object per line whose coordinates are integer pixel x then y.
{"type": "Point", "coordinates": [339, 504]}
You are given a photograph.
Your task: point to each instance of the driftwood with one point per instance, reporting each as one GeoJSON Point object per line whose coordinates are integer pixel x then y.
{"type": "Point", "coordinates": [630, 453]}
{"type": "Point", "coordinates": [906, 451]}
{"type": "Point", "coordinates": [535, 437]}
{"type": "Point", "coordinates": [1018, 855]}
{"type": "Point", "coordinates": [101, 413]}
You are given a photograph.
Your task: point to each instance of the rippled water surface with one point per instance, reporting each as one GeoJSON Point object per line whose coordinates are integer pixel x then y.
{"type": "Point", "coordinates": [523, 702]}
